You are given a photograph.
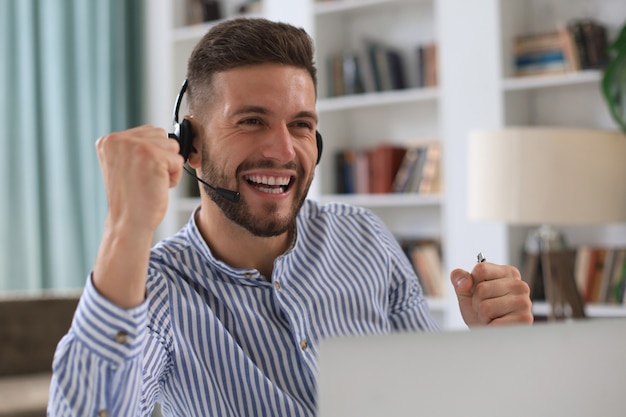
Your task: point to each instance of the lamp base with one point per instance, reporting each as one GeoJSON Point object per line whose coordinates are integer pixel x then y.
{"type": "Point", "coordinates": [546, 252]}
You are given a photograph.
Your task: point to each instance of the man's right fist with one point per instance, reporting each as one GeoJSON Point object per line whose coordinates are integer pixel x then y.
{"type": "Point", "coordinates": [139, 167]}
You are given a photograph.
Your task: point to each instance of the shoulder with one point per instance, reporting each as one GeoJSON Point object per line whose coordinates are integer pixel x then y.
{"type": "Point", "coordinates": [312, 210]}
{"type": "Point", "coordinates": [340, 216]}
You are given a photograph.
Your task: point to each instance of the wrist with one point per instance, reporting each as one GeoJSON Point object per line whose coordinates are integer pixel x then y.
{"type": "Point", "coordinates": [121, 265]}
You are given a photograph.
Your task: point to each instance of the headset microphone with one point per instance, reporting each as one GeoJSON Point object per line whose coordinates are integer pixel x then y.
{"type": "Point", "coordinates": [184, 136]}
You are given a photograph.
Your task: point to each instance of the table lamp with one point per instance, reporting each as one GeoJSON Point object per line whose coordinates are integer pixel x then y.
{"type": "Point", "coordinates": [548, 176]}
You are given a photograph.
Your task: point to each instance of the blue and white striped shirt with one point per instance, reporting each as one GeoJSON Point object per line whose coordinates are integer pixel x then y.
{"type": "Point", "coordinates": [213, 340]}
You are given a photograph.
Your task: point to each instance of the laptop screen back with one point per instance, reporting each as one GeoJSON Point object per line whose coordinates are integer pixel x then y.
{"type": "Point", "coordinates": [548, 369]}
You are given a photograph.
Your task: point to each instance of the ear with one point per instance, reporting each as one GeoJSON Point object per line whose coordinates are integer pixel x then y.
{"type": "Point", "coordinates": [195, 153]}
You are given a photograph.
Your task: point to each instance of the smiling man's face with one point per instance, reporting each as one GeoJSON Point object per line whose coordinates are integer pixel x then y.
{"type": "Point", "coordinates": [259, 140]}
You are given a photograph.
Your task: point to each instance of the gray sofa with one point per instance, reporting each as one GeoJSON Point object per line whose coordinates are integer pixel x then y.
{"type": "Point", "coordinates": [30, 328]}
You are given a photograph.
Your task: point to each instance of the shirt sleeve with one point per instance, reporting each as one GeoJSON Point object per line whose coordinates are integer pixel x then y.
{"type": "Point", "coordinates": [97, 366]}
{"type": "Point", "coordinates": [408, 309]}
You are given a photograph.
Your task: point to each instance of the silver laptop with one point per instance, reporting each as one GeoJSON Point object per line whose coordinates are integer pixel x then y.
{"type": "Point", "coordinates": [548, 369]}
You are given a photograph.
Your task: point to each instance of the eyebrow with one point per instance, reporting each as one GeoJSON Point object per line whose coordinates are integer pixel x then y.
{"type": "Point", "coordinates": [263, 110]}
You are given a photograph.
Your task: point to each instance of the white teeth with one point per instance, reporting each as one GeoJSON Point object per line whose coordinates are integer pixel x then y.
{"type": "Point", "coordinates": [258, 179]}
{"type": "Point", "coordinates": [270, 190]}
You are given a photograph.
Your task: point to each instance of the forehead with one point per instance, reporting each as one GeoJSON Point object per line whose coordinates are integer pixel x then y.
{"type": "Point", "coordinates": [272, 83]}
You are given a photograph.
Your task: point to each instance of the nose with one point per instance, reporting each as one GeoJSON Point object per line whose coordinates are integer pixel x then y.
{"type": "Point", "coordinates": [279, 145]}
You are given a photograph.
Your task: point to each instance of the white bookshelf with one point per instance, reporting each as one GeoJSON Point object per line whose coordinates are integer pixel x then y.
{"type": "Point", "coordinates": [572, 99]}
{"type": "Point", "coordinates": [476, 90]}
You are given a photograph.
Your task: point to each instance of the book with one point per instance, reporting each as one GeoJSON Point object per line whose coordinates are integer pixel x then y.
{"type": "Point", "coordinates": [540, 62]}
{"type": "Point", "coordinates": [581, 268]}
{"type": "Point", "coordinates": [351, 74]}
{"type": "Point", "coordinates": [426, 260]}
{"type": "Point", "coordinates": [366, 72]}
{"type": "Point", "coordinates": [576, 30]}
{"type": "Point", "coordinates": [335, 75]}
{"type": "Point", "coordinates": [345, 166]}
{"type": "Point", "coordinates": [591, 42]}
{"type": "Point", "coordinates": [430, 170]}
{"type": "Point", "coordinates": [596, 44]}
{"type": "Point", "coordinates": [539, 53]}
{"type": "Point", "coordinates": [371, 49]}
{"type": "Point", "coordinates": [595, 273]}
{"type": "Point", "coordinates": [362, 171]}
{"type": "Point", "coordinates": [420, 66]}
{"type": "Point", "coordinates": [406, 170]}
{"type": "Point", "coordinates": [386, 64]}
{"type": "Point", "coordinates": [340, 173]}
{"type": "Point", "coordinates": [431, 66]}
{"type": "Point", "coordinates": [384, 162]}
{"type": "Point", "coordinates": [613, 287]}
{"type": "Point", "coordinates": [569, 49]}
{"type": "Point", "coordinates": [395, 61]}
{"type": "Point", "coordinates": [537, 42]}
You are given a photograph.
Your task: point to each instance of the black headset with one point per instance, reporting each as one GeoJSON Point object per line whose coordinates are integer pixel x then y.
{"type": "Point", "coordinates": [183, 132]}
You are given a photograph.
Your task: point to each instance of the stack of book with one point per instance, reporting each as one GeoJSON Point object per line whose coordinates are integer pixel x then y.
{"type": "Point", "coordinates": [581, 45]}
{"type": "Point", "coordinates": [601, 274]}
{"type": "Point", "coordinates": [389, 168]}
{"type": "Point", "coordinates": [380, 67]}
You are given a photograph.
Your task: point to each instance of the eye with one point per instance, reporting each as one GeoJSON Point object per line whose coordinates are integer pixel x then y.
{"type": "Point", "coordinates": [250, 121]}
{"type": "Point", "coordinates": [303, 125]}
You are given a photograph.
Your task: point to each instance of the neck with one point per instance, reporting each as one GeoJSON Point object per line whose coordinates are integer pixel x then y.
{"type": "Point", "coordinates": [228, 241]}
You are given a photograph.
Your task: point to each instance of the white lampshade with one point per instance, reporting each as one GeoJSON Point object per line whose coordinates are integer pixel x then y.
{"type": "Point", "coordinates": [543, 175]}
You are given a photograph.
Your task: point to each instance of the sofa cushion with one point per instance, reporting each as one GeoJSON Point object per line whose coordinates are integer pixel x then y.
{"type": "Point", "coordinates": [30, 329]}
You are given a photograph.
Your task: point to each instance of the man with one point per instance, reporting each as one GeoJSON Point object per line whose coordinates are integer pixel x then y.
{"type": "Point", "coordinates": [227, 318]}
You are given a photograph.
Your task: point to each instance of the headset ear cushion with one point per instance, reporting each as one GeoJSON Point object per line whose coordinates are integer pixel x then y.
{"type": "Point", "coordinates": [320, 146]}
{"type": "Point", "coordinates": [185, 138]}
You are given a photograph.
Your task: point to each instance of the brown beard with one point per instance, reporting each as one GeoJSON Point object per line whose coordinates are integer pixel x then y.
{"type": "Point", "coordinates": [267, 225]}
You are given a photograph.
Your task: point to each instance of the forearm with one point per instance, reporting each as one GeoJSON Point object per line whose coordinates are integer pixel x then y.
{"type": "Point", "coordinates": [98, 364]}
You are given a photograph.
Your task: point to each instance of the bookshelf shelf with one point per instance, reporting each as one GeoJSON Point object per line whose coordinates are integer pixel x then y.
{"type": "Point", "coordinates": [547, 81]}
{"type": "Point", "coordinates": [334, 7]}
{"type": "Point", "coordinates": [385, 200]}
{"type": "Point", "coordinates": [370, 100]}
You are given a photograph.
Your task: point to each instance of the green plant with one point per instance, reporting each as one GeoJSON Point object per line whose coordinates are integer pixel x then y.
{"type": "Point", "coordinates": [614, 80]}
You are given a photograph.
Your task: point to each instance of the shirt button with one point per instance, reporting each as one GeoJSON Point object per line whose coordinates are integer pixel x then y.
{"type": "Point", "coordinates": [277, 285]}
{"type": "Point", "coordinates": [103, 413]}
{"type": "Point", "coordinates": [247, 275]}
{"type": "Point", "coordinates": [304, 344]}
{"type": "Point", "coordinates": [121, 338]}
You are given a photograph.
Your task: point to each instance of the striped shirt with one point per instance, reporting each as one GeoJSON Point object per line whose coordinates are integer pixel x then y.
{"type": "Point", "coordinates": [213, 340]}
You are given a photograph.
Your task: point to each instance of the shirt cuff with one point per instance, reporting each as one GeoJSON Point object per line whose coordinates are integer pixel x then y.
{"type": "Point", "coordinates": [114, 333]}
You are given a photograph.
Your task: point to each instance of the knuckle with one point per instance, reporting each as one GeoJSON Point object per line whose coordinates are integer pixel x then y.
{"type": "Point", "coordinates": [484, 308]}
{"type": "Point", "coordinates": [521, 287]}
{"type": "Point", "coordinates": [481, 290]}
{"type": "Point", "coordinates": [514, 272]}
{"type": "Point", "coordinates": [106, 142]}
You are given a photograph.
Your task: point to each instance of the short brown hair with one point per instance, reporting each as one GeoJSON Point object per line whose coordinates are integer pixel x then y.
{"type": "Point", "coordinates": [242, 42]}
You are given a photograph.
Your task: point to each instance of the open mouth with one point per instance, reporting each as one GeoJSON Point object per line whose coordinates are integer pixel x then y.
{"type": "Point", "coordinates": [269, 184]}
